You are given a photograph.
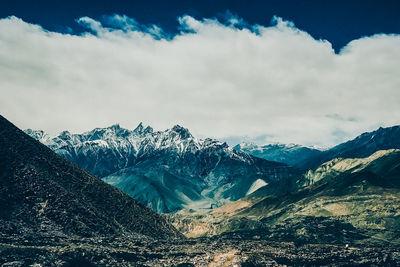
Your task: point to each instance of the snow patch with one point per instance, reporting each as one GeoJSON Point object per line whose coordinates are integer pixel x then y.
{"type": "Point", "coordinates": [256, 185]}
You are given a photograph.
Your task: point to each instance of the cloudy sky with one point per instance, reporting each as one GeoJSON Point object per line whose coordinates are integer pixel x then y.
{"type": "Point", "coordinates": [219, 77]}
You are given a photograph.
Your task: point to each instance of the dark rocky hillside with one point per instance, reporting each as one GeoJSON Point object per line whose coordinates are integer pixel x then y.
{"type": "Point", "coordinates": [44, 195]}
{"type": "Point", "coordinates": [233, 249]}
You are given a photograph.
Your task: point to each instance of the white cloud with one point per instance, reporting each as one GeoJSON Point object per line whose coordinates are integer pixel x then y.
{"type": "Point", "coordinates": [218, 80]}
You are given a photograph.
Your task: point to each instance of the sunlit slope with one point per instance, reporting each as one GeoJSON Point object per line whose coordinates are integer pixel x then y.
{"type": "Point", "coordinates": [346, 201]}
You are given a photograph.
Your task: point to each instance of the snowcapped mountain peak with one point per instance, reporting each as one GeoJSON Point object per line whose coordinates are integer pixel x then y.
{"type": "Point", "coordinates": [176, 140]}
{"type": "Point", "coordinates": [291, 154]}
{"type": "Point", "coordinates": [148, 130]}
{"type": "Point", "coordinates": [39, 135]}
{"type": "Point", "coordinates": [112, 132]}
{"type": "Point", "coordinates": [65, 135]}
{"type": "Point", "coordinates": [245, 145]}
{"type": "Point", "coordinates": [140, 130]}
{"type": "Point", "coordinates": [208, 142]}
{"type": "Point", "coordinates": [121, 147]}
{"type": "Point", "coordinates": [36, 133]}
{"type": "Point", "coordinates": [115, 126]}
{"type": "Point", "coordinates": [183, 132]}
{"type": "Point", "coordinates": [275, 145]}
{"type": "Point", "coordinates": [166, 170]}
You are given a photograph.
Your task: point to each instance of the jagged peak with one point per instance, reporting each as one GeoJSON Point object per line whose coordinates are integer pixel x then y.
{"type": "Point", "coordinates": [213, 142]}
{"type": "Point", "coordinates": [113, 130]}
{"type": "Point", "coordinates": [65, 133]}
{"type": "Point", "coordinates": [115, 126]}
{"type": "Point", "coordinates": [177, 128]}
{"type": "Point", "coordinates": [148, 129]}
{"type": "Point", "coordinates": [182, 131]}
{"type": "Point", "coordinates": [141, 130]}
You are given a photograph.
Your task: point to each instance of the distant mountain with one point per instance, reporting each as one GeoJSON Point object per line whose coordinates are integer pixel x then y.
{"type": "Point", "coordinates": [344, 201]}
{"type": "Point", "coordinates": [167, 170]}
{"type": "Point", "coordinates": [308, 158]}
{"type": "Point", "coordinates": [292, 154]}
{"type": "Point", "coordinates": [44, 195]}
{"type": "Point", "coordinates": [362, 146]}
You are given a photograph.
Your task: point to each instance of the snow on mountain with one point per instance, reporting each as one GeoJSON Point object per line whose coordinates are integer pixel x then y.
{"type": "Point", "coordinates": [166, 170]}
{"type": "Point", "coordinates": [256, 185]}
{"type": "Point", "coordinates": [291, 154]}
{"type": "Point", "coordinates": [306, 158]}
{"type": "Point", "coordinates": [39, 135]}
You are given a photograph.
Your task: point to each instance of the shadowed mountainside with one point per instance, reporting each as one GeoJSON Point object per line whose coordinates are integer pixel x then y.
{"type": "Point", "coordinates": [44, 195]}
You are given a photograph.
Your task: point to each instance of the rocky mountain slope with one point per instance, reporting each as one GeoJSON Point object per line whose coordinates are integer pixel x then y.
{"type": "Point", "coordinates": [167, 170]}
{"type": "Point", "coordinates": [353, 201]}
{"type": "Point", "coordinates": [335, 167]}
{"type": "Point", "coordinates": [43, 196]}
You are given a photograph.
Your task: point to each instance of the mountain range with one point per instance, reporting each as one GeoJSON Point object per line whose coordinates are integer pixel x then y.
{"type": "Point", "coordinates": [306, 158]}
{"type": "Point", "coordinates": [342, 212]}
{"type": "Point", "coordinates": [172, 170]}
{"type": "Point", "coordinates": [167, 170]}
{"type": "Point", "coordinates": [291, 154]}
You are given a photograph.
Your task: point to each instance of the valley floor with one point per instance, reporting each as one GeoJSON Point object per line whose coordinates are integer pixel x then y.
{"type": "Point", "coordinates": [229, 250]}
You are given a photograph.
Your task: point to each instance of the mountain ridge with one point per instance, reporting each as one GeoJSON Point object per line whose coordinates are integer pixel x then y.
{"type": "Point", "coordinates": [170, 170]}
{"type": "Point", "coordinates": [291, 154]}
{"type": "Point", "coordinates": [174, 168]}
{"type": "Point", "coordinates": [305, 158]}
{"type": "Point", "coordinates": [362, 146]}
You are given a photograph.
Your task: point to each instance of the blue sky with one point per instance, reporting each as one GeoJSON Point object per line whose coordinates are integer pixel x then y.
{"type": "Point", "coordinates": [307, 72]}
{"type": "Point", "coordinates": [338, 21]}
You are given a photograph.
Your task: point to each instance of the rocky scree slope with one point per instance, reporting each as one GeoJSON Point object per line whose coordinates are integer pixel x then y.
{"type": "Point", "coordinates": [44, 195]}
